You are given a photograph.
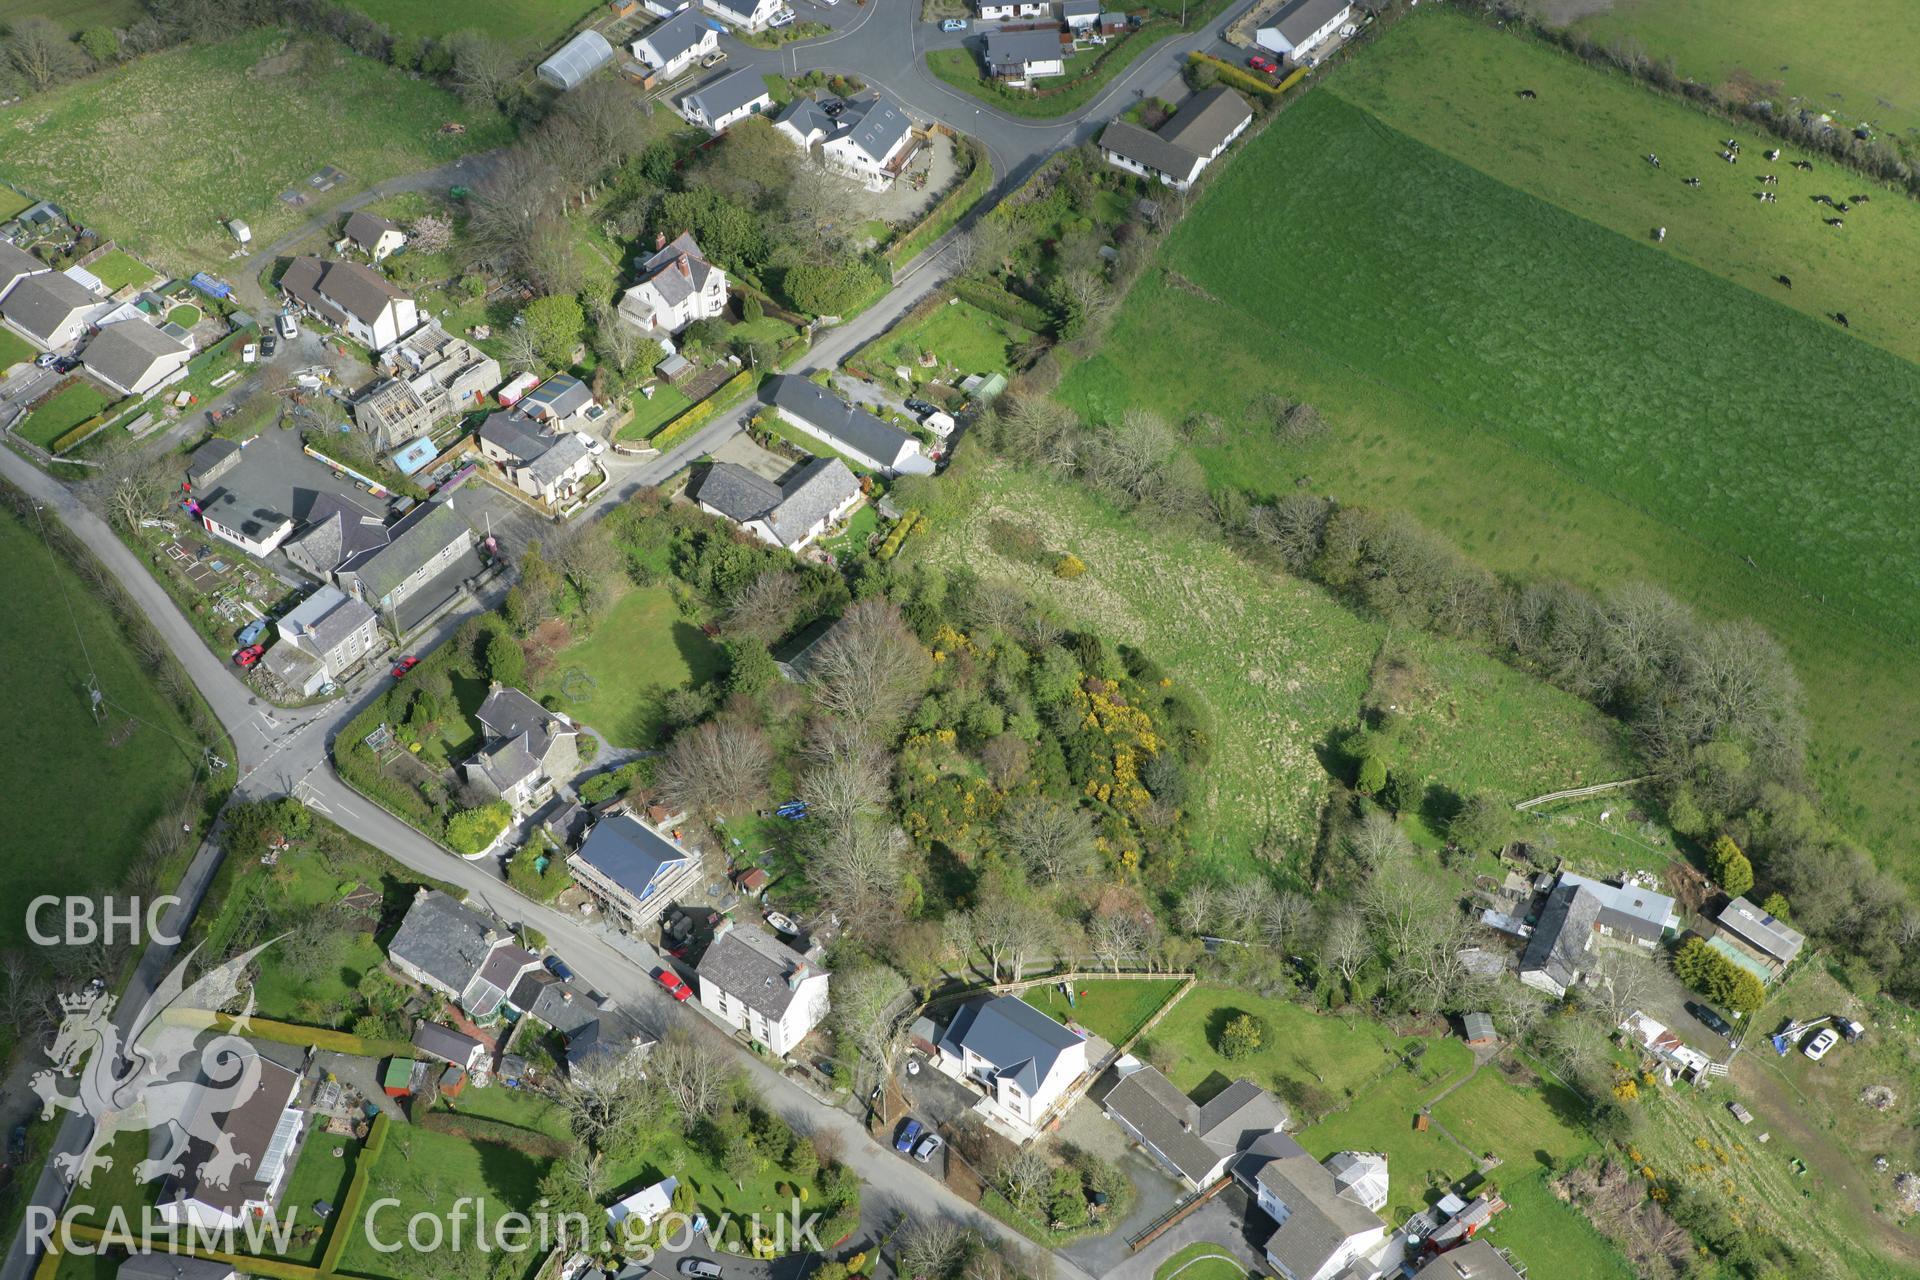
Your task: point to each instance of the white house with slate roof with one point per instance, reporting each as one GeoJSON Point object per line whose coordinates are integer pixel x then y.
{"type": "Point", "coordinates": [321, 639]}
{"type": "Point", "coordinates": [1020, 57]}
{"type": "Point", "coordinates": [720, 104]}
{"type": "Point", "coordinates": [854, 432]}
{"type": "Point", "coordinates": [1194, 1143]}
{"type": "Point", "coordinates": [1020, 1058]}
{"type": "Point", "coordinates": [1303, 26]}
{"type": "Point", "coordinates": [547, 465]}
{"type": "Point", "coordinates": [871, 142]}
{"type": "Point", "coordinates": [757, 984]}
{"type": "Point", "coordinates": [676, 44]}
{"type": "Point", "coordinates": [372, 235]}
{"type": "Point", "coordinates": [448, 947]}
{"type": "Point", "coordinates": [133, 356]}
{"type": "Point", "coordinates": [51, 309]}
{"type": "Point", "coordinates": [790, 514]}
{"type": "Point", "coordinates": [754, 15]}
{"type": "Point", "coordinates": [16, 265]}
{"type": "Point", "coordinates": [1204, 126]}
{"type": "Point", "coordinates": [352, 297]}
{"type": "Point", "coordinates": [338, 531]}
{"type": "Point", "coordinates": [634, 871]}
{"type": "Point", "coordinates": [1323, 1227]}
{"type": "Point", "coordinates": [677, 286]}
{"type": "Point", "coordinates": [527, 749]}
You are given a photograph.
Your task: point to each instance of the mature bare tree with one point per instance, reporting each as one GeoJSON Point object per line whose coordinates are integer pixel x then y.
{"type": "Point", "coordinates": [1009, 929]}
{"type": "Point", "coordinates": [482, 67]}
{"type": "Point", "coordinates": [1054, 841]}
{"type": "Point", "coordinates": [848, 775]}
{"type": "Point", "coordinates": [1201, 909]}
{"type": "Point", "coordinates": [1576, 1045]}
{"type": "Point", "coordinates": [933, 1249]}
{"type": "Point", "coordinates": [617, 341]}
{"type": "Point", "coordinates": [822, 210]}
{"type": "Point", "coordinates": [1623, 981]}
{"type": "Point", "coordinates": [870, 666]}
{"type": "Point", "coordinates": [1346, 946]}
{"type": "Point", "coordinates": [41, 52]}
{"type": "Point", "coordinates": [1377, 841]}
{"type": "Point", "coordinates": [763, 609]}
{"type": "Point", "coordinates": [1284, 919]}
{"type": "Point", "coordinates": [870, 1008]}
{"type": "Point", "coordinates": [503, 210]}
{"type": "Point", "coordinates": [521, 353]}
{"type": "Point", "coordinates": [1023, 1177]}
{"type": "Point", "coordinates": [131, 488]}
{"type": "Point", "coordinates": [857, 868]}
{"type": "Point", "coordinates": [1120, 936]}
{"type": "Point", "coordinates": [715, 768]}
{"type": "Point", "coordinates": [605, 1095]}
{"type": "Point", "coordinates": [695, 1077]}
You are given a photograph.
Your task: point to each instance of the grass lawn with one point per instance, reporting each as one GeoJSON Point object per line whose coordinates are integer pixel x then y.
{"type": "Point", "coordinates": [639, 651]}
{"type": "Point", "coordinates": [116, 1188]}
{"type": "Point", "coordinates": [1610, 441]}
{"type": "Point", "coordinates": [117, 270]}
{"type": "Point", "coordinates": [1335, 1054]}
{"type": "Point", "coordinates": [960, 335]}
{"type": "Point", "coordinates": [1549, 1236]}
{"type": "Point", "coordinates": [1419, 1165]}
{"type": "Point", "coordinates": [861, 526]}
{"type": "Point", "coordinates": [154, 158]}
{"type": "Point", "coordinates": [14, 349]}
{"type": "Point", "coordinates": [649, 415]}
{"type": "Point", "coordinates": [99, 1265]}
{"type": "Point", "coordinates": [186, 315]}
{"type": "Point", "coordinates": [1854, 58]}
{"type": "Point", "coordinates": [80, 795]}
{"type": "Point", "coordinates": [961, 68]}
{"type": "Point", "coordinates": [64, 410]}
{"type": "Point", "coordinates": [1202, 1261]}
{"type": "Point", "coordinates": [11, 201]}
{"type": "Point", "coordinates": [528, 25]}
{"type": "Point", "coordinates": [1448, 80]}
{"type": "Point", "coordinates": [424, 1171]}
{"type": "Point", "coordinates": [1112, 1009]}
{"type": "Point", "coordinates": [1529, 1123]}
{"type": "Point", "coordinates": [317, 1175]}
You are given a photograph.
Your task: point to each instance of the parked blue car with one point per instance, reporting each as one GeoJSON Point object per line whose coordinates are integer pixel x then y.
{"type": "Point", "coordinates": [558, 968]}
{"type": "Point", "coordinates": [909, 1134]}
{"type": "Point", "coordinates": [252, 631]}
{"type": "Point", "coordinates": [953, 24]}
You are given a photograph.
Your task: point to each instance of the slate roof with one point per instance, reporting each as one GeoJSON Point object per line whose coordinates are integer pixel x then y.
{"type": "Point", "coordinates": [672, 38]}
{"type": "Point", "coordinates": [507, 764]}
{"type": "Point", "coordinates": [172, 1266]}
{"type": "Point", "coordinates": [1302, 18]}
{"type": "Point", "coordinates": [421, 534]}
{"type": "Point", "coordinates": [629, 853]}
{"type": "Point", "coordinates": [1206, 120]}
{"type": "Point", "coordinates": [662, 270]}
{"type": "Point", "coordinates": [207, 459]}
{"type": "Point", "coordinates": [518, 435]}
{"type": "Point", "coordinates": [504, 964]}
{"type": "Point", "coordinates": [1144, 147]}
{"type": "Point", "coordinates": [326, 619]}
{"type": "Point", "coordinates": [15, 263]}
{"type": "Point", "coordinates": [1319, 1218]}
{"type": "Point", "coordinates": [874, 125]}
{"type": "Point", "coordinates": [1478, 1026]}
{"type": "Point", "coordinates": [1630, 909]}
{"type": "Point", "coordinates": [1475, 1260]}
{"type": "Point", "coordinates": [445, 1043]}
{"type": "Point", "coordinates": [248, 1129]}
{"type": "Point", "coordinates": [728, 94]}
{"type": "Point", "coordinates": [123, 353]}
{"type": "Point", "coordinates": [560, 396]}
{"type": "Point", "coordinates": [1238, 1114]}
{"type": "Point", "coordinates": [1560, 939]}
{"type": "Point", "coordinates": [337, 288]}
{"type": "Point", "coordinates": [839, 421]}
{"type": "Point", "coordinates": [40, 304]}
{"type": "Point", "coordinates": [806, 115]}
{"type": "Point", "coordinates": [753, 966]}
{"type": "Point", "coordinates": [1080, 9]}
{"type": "Point", "coordinates": [338, 530]}
{"type": "Point", "coordinates": [1194, 1139]}
{"type": "Point", "coordinates": [1767, 933]}
{"type": "Point", "coordinates": [365, 229]}
{"type": "Point", "coordinates": [445, 939]}
{"type": "Point", "coordinates": [1020, 1042]}
{"type": "Point", "coordinates": [1015, 49]}
{"type": "Point", "coordinates": [566, 453]}
{"type": "Point", "coordinates": [510, 713]}
{"type": "Point", "coordinates": [737, 493]}
{"type": "Point", "coordinates": [791, 509]}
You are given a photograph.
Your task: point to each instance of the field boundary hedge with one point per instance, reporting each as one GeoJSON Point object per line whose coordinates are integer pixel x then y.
{"type": "Point", "coordinates": [356, 1192]}
{"type": "Point", "coordinates": [948, 210]}
{"type": "Point", "coordinates": [499, 1132]}
{"type": "Point", "coordinates": [1240, 79]}
{"type": "Point", "coordinates": [292, 1033]}
{"type": "Point", "coordinates": [993, 299]}
{"type": "Point", "coordinates": [724, 397]}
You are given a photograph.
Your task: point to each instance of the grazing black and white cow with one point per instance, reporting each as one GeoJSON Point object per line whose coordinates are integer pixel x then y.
{"type": "Point", "coordinates": [1836, 222]}
{"type": "Point", "coordinates": [1528, 94]}
{"type": "Point", "coordinates": [1842, 206]}
{"type": "Point", "coordinates": [1841, 317]}
{"type": "Point", "coordinates": [1787, 283]}
{"type": "Point", "coordinates": [1653, 159]}
{"type": "Point", "coordinates": [1693, 182]}
{"type": "Point", "coordinates": [1805, 166]}
{"type": "Point", "coordinates": [1659, 234]}
{"type": "Point", "coordinates": [1774, 154]}
{"type": "Point", "coordinates": [1858, 199]}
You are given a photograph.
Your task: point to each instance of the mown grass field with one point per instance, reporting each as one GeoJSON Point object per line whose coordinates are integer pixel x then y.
{"type": "Point", "coordinates": [639, 651]}
{"type": "Point", "coordinates": [528, 25]}
{"type": "Point", "coordinates": [1854, 58]}
{"type": "Point", "coordinates": [1449, 80]}
{"type": "Point", "coordinates": [423, 1171]}
{"type": "Point", "coordinates": [1112, 1009]}
{"type": "Point", "coordinates": [161, 152]}
{"type": "Point", "coordinates": [958, 334]}
{"type": "Point", "coordinates": [1281, 667]}
{"type": "Point", "coordinates": [77, 805]}
{"type": "Point", "coordinates": [1559, 400]}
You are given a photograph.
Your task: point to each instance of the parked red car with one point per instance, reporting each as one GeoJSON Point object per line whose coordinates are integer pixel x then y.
{"type": "Point", "coordinates": [675, 985]}
{"type": "Point", "coordinates": [249, 655]}
{"type": "Point", "coordinates": [403, 666]}
{"type": "Point", "coordinates": [1267, 65]}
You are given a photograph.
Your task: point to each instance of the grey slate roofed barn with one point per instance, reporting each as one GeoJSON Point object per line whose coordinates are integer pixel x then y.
{"type": "Point", "coordinates": [41, 304]}
{"type": "Point", "coordinates": [729, 93]}
{"type": "Point", "coordinates": [1020, 1042]}
{"type": "Point", "coordinates": [1560, 940]}
{"type": "Point", "coordinates": [1764, 932]}
{"type": "Point", "coordinates": [1302, 18]}
{"type": "Point", "coordinates": [861, 432]}
{"type": "Point", "coordinates": [122, 353]}
{"type": "Point", "coordinates": [752, 966]}
{"type": "Point", "coordinates": [445, 939]}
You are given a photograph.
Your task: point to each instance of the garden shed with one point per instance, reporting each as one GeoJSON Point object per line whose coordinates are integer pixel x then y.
{"type": "Point", "coordinates": [578, 59]}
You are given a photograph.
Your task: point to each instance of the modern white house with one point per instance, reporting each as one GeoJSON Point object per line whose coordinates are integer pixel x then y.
{"type": "Point", "coordinates": [677, 286]}
{"type": "Point", "coordinates": [789, 514]}
{"type": "Point", "coordinates": [854, 432]}
{"type": "Point", "coordinates": [759, 985]}
{"type": "Point", "coordinates": [1021, 57]}
{"type": "Point", "coordinates": [1014, 9]}
{"type": "Point", "coordinates": [372, 235]}
{"type": "Point", "coordinates": [642, 1209]}
{"type": "Point", "coordinates": [133, 357]}
{"type": "Point", "coordinates": [51, 309]}
{"type": "Point", "coordinates": [870, 141]}
{"type": "Point", "coordinates": [16, 265]}
{"type": "Point", "coordinates": [670, 47]}
{"type": "Point", "coordinates": [352, 297]}
{"type": "Point", "coordinates": [633, 870]}
{"type": "Point", "coordinates": [243, 1176]}
{"type": "Point", "coordinates": [753, 15]}
{"type": "Point", "coordinates": [720, 104]}
{"type": "Point", "coordinates": [321, 639]}
{"type": "Point", "coordinates": [1204, 127]}
{"type": "Point", "coordinates": [1323, 1228]}
{"type": "Point", "coordinates": [1023, 1061]}
{"type": "Point", "coordinates": [1303, 26]}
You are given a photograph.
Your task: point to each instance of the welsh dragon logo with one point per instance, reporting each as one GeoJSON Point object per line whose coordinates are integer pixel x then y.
{"type": "Point", "coordinates": [159, 1076]}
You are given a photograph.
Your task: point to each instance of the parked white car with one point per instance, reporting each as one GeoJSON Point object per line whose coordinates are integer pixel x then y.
{"type": "Point", "coordinates": [591, 444]}
{"type": "Point", "coordinates": [1817, 1047]}
{"type": "Point", "coordinates": [249, 353]}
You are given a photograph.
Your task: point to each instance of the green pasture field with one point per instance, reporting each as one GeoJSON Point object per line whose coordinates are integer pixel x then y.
{"type": "Point", "coordinates": [76, 16]}
{"type": "Point", "coordinates": [1112, 1009]}
{"type": "Point", "coordinates": [527, 25]}
{"type": "Point", "coordinates": [1605, 442]}
{"type": "Point", "coordinates": [1449, 81]}
{"type": "Point", "coordinates": [639, 651]}
{"type": "Point", "coordinates": [1281, 667]}
{"type": "Point", "coordinates": [959, 334]}
{"type": "Point", "coordinates": [158, 152]}
{"type": "Point", "coordinates": [80, 795]}
{"type": "Point", "coordinates": [1853, 58]}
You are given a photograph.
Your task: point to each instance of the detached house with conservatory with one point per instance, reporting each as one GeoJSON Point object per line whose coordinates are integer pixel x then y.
{"type": "Point", "coordinates": [677, 286]}
{"type": "Point", "coordinates": [447, 946]}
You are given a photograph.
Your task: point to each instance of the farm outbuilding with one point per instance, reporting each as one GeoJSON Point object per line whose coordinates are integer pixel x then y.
{"type": "Point", "coordinates": [577, 61]}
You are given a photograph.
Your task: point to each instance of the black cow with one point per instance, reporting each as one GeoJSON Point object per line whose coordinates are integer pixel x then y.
{"type": "Point", "coordinates": [1785, 281]}
{"type": "Point", "coordinates": [1528, 94]}
{"type": "Point", "coordinates": [1841, 317]}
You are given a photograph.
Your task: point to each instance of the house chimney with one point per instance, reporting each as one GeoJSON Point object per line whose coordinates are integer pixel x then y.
{"type": "Point", "coordinates": [686, 268]}
{"type": "Point", "coordinates": [659, 241]}
{"type": "Point", "coordinates": [798, 976]}
{"type": "Point", "coordinates": [722, 929]}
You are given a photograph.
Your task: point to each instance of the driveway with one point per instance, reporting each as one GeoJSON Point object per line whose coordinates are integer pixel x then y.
{"type": "Point", "coordinates": [1154, 1192]}
{"type": "Point", "coordinates": [1228, 1220]}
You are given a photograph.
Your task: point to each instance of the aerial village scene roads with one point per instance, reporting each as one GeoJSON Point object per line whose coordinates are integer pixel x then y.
{"type": "Point", "coordinates": [960, 639]}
